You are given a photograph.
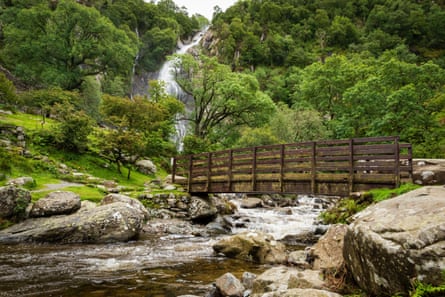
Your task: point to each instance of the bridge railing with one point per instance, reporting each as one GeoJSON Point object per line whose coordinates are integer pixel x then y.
{"type": "Point", "coordinates": [332, 167]}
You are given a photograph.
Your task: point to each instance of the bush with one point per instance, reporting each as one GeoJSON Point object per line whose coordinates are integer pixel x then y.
{"type": "Point", "coordinates": [7, 91]}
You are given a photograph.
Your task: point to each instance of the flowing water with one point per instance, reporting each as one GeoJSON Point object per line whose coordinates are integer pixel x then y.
{"type": "Point", "coordinates": [156, 266]}
{"type": "Point", "coordinates": [173, 89]}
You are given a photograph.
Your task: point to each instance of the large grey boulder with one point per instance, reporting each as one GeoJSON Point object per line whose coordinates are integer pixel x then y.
{"type": "Point", "coordinates": [21, 181]}
{"type": "Point", "coordinates": [300, 293]}
{"type": "Point", "coordinates": [146, 167]}
{"type": "Point", "coordinates": [251, 202]}
{"type": "Point", "coordinates": [13, 202]}
{"type": "Point", "coordinates": [201, 210]}
{"type": "Point", "coordinates": [56, 203]}
{"type": "Point", "coordinates": [106, 223]}
{"type": "Point", "coordinates": [283, 278]}
{"type": "Point", "coordinates": [397, 240]}
{"type": "Point", "coordinates": [327, 253]}
{"type": "Point", "coordinates": [136, 204]}
{"type": "Point", "coordinates": [253, 246]}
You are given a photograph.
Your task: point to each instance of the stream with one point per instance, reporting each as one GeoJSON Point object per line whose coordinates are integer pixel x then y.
{"type": "Point", "coordinates": [170, 265]}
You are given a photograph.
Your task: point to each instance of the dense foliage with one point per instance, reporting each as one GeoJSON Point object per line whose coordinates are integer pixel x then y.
{"type": "Point", "coordinates": [364, 67]}
{"type": "Point", "coordinates": [77, 60]}
{"type": "Point", "coordinates": [60, 43]}
{"type": "Point", "coordinates": [271, 72]}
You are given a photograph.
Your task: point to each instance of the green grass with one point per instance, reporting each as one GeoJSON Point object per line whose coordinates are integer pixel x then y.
{"type": "Point", "coordinates": [85, 193]}
{"type": "Point", "coordinates": [45, 170]}
{"type": "Point", "coordinates": [347, 207]}
{"type": "Point", "coordinates": [383, 194]}
{"type": "Point", "coordinates": [28, 121]}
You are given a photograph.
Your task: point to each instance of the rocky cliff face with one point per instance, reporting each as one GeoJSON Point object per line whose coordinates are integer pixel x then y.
{"type": "Point", "coordinates": [398, 240]}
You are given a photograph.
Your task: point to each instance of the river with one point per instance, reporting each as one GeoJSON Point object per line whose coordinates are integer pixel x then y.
{"type": "Point", "coordinates": [170, 265]}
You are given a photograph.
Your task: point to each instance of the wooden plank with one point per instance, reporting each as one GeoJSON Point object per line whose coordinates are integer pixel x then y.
{"type": "Point", "coordinates": [282, 148]}
{"type": "Point", "coordinates": [351, 165]}
{"type": "Point", "coordinates": [397, 162]}
{"type": "Point", "coordinates": [254, 160]}
{"type": "Point", "coordinates": [313, 167]}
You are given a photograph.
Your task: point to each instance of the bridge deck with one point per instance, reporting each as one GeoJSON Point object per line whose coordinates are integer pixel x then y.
{"type": "Point", "coordinates": [334, 167]}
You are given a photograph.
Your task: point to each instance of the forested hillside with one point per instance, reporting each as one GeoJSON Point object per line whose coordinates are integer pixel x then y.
{"type": "Point", "coordinates": [268, 72]}
{"type": "Point", "coordinates": [342, 69]}
{"type": "Point", "coordinates": [74, 62]}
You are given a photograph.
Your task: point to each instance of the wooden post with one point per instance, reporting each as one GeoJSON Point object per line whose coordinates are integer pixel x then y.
{"type": "Point", "coordinates": [410, 162]}
{"type": "Point", "coordinates": [313, 167]}
{"type": "Point", "coordinates": [254, 169]}
{"type": "Point", "coordinates": [174, 171]}
{"type": "Point", "coordinates": [397, 161]}
{"type": "Point", "coordinates": [351, 165]}
{"type": "Point", "coordinates": [189, 181]}
{"type": "Point", "coordinates": [209, 171]}
{"type": "Point", "coordinates": [229, 170]}
{"type": "Point", "coordinates": [282, 168]}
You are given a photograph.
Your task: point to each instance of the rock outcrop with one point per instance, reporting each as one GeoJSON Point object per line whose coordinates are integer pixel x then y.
{"type": "Point", "coordinates": [201, 210]}
{"type": "Point", "coordinates": [228, 285]}
{"type": "Point", "coordinates": [286, 281]}
{"type": "Point", "coordinates": [398, 240]}
{"type": "Point", "coordinates": [146, 167]}
{"type": "Point", "coordinates": [327, 254]}
{"type": "Point", "coordinates": [136, 204]}
{"type": "Point", "coordinates": [13, 202]}
{"type": "Point", "coordinates": [252, 246]}
{"type": "Point", "coordinates": [55, 203]}
{"type": "Point", "coordinates": [107, 223]}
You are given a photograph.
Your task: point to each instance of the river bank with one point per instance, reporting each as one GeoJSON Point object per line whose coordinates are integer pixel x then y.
{"type": "Point", "coordinates": [171, 258]}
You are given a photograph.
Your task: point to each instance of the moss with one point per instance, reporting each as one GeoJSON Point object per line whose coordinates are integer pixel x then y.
{"type": "Point", "coordinates": [349, 206]}
{"type": "Point", "coordinates": [427, 290]}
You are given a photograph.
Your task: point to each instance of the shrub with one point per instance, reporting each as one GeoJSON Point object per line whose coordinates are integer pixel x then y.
{"type": "Point", "coordinates": [7, 91]}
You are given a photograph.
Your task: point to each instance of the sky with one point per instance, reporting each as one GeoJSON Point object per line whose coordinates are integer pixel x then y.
{"type": "Point", "coordinates": [204, 7]}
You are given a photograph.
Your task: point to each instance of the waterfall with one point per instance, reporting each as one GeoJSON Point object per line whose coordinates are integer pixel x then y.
{"type": "Point", "coordinates": [173, 89]}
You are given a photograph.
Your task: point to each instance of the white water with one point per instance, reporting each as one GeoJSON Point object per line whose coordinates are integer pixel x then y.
{"type": "Point", "coordinates": [283, 222]}
{"type": "Point", "coordinates": [166, 74]}
{"type": "Point", "coordinates": [169, 265]}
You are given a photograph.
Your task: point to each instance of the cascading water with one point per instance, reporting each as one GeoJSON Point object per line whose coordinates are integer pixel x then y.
{"type": "Point", "coordinates": [283, 223]}
{"type": "Point", "coordinates": [173, 89]}
{"type": "Point", "coordinates": [152, 266]}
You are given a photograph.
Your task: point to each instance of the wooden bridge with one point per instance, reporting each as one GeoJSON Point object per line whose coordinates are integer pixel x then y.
{"type": "Point", "coordinates": [333, 167]}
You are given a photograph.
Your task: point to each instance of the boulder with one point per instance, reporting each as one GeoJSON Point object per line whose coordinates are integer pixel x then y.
{"type": "Point", "coordinates": [13, 202]}
{"type": "Point", "coordinates": [136, 204]}
{"type": "Point", "coordinates": [21, 181]}
{"type": "Point", "coordinates": [283, 278]}
{"type": "Point", "coordinates": [146, 167]}
{"type": "Point", "coordinates": [229, 286]}
{"type": "Point", "coordinates": [298, 259]}
{"type": "Point", "coordinates": [299, 293]}
{"type": "Point", "coordinates": [56, 203]}
{"type": "Point", "coordinates": [253, 246]}
{"type": "Point", "coordinates": [248, 279]}
{"type": "Point", "coordinates": [397, 240]}
{"type": "Point", "coordinates": [327, 253]}
{"type": "Point", "coordinates": [106, 223]}
{"type": "Point", "coordinates": [201, 210]}
{"type": "Point", "coordinates": [251, 203]}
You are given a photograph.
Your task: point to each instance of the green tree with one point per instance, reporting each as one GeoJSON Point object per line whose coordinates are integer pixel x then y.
{"type": "Point", "coordinates": [122, 147]}
{"type": "Point", "coordinates": [223, 100]}
{"type": "Point", "coordinates": [297, 125]}
{"type": "Point", "coordinates": [43, 101]}
{"type": "Point", "coordinates": [61, 47]}
{"type": "Point", "coordinates": [7, 91]}
{"type": "Point", "coordinates": [73, 128]}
